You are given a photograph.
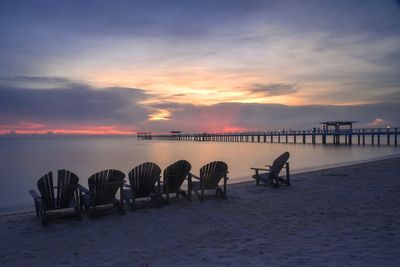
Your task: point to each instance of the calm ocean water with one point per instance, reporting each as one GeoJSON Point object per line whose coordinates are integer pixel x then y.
{"type": "Point", "coordinates": [23, 162]}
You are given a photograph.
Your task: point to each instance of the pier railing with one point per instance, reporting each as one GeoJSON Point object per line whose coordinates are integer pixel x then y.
{"type": "Point", "coordinates": [373, 136]}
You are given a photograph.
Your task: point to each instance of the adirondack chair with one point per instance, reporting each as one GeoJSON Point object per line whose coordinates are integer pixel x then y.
{"type": "Point", "coordinates": [144, 182]}
{"type": "Point", "coordinates": [210, 176]}
{"type": "Point", "coordinates": [271, 176]}
{"type": "Point", "coordinates": [103, 188]}
{"type": "Point", "coordinates": [174, 176]}
{"type": "Point", "coordinates": [56, 198]}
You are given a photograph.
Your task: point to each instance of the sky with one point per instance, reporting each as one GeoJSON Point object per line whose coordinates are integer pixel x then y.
{"type": "Point", "coordinates": [119, 67]}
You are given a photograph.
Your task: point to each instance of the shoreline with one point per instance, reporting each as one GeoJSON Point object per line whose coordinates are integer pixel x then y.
{"type": "Point", "coordinates": [240, 180]}
{"type": "Point", "coordinates": [348, 164]}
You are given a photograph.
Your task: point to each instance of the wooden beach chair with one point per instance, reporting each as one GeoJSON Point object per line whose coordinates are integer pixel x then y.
{"type": "Point", "coordinates": [57, 200]}
{"type": "Point", "coordinates": [271, 174]}
{"type": "Point", "coordinates": [210, 176]}
{"type": "Point", "coordinates": [144, 182]}
{"type": "Point", "coordinates": [103, 188]}
{"type": "Point", "coordinates": [173, 177]}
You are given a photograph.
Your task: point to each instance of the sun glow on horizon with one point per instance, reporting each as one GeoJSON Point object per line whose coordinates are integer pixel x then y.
{"type": "Point", "coordinates": [84, 130]}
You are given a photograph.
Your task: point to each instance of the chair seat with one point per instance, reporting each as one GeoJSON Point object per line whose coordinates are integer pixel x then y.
{"type": "Point", "coordinates": [164, 189]}
{"type": "Point", "coordinates": [196, 186]}
{"type": "Point", "coordinates": [128, 194]}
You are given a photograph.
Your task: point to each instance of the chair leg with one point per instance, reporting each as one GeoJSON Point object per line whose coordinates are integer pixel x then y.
{"type": "Point", "coordinates": [287, 173]}
{"type": "Point", "coordinates": [198, 194]}
{"type": "Point", "coordinates": [37, 209]}
{"type": "Point", "coordinates": [121, 207]}
{"type": "Point", "coordinates": [159, 200]}
{"type": "Point", "coordinates": [257, 179]}
{"type": "Point", "coordinates": [78, 212]}
{"type": "Point", "coordinates": [78, 206]}
{"type": "Point", "coordinates": [133, 205]}
{"type": "Point", "coordinates": [224, 193]}
{"type": "Point", "coordinates": [94, 211]}
{"type": "Point", "coordinates": [189, 189]}
{"type": "Point", "coordinates": [167, 199]}
{"type": "Point", "coordinates": [44, 218]}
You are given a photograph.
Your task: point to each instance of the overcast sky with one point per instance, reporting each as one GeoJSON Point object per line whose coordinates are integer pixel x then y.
{"type": "Point", "coordinates": [125, 66]}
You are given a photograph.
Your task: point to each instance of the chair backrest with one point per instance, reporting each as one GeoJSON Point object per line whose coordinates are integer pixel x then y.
{"type": "Point", "coordinates": [278, 165]}
{"type": "Point", "coordinates": [143, 178]}
{"type": "Point", "coordinates": [104, 185]}
{"type": "Point", "coordinates": [67, 184]}
{"type": "Point", "coordinates": [176, 174]}
{"type": "Point", "coordinates": [212, 173]}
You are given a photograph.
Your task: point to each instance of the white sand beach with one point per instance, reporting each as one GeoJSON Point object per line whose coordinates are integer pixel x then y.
{"type": "Point", "coordinates": [345, 216]}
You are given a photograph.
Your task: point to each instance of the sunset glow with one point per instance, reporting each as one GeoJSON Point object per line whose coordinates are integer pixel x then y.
{"type": "Point", "coordinates": [90, 130]}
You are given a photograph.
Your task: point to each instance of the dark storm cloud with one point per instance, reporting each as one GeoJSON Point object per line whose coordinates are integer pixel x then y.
{"type": "Point", "coordinates": [71, 104]}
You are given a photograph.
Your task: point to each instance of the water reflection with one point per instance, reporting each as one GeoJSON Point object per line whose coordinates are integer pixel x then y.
{"type": "Point", "coordinates": [23, 162]}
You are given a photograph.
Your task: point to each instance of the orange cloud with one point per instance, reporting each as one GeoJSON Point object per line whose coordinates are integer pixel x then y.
{"type": "Point", "coordinates": [160, 114]}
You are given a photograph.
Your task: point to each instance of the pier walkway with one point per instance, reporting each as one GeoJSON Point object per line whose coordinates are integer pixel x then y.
{"type": "Point", "coordinates": [371, 136]}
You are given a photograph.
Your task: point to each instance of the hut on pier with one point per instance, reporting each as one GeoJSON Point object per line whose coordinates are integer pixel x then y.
{"type": "Point", "coordinates": [337, 124]}
{"type": "Point", "coordinates": [337, 130]}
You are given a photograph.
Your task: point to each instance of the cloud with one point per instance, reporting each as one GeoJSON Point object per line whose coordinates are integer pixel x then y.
{"type": "Point", "coordinates": [190, 118]}
{"type": "Point", "coordinates": [78, 108]}
{"type": "Point", "coordinates": [379, 122]}
{"type": "Point", "coordinates": [137, 43]}
{"type": "Point", "coordinates": [71, 105]}
{"type": "Point", "coordinates": [274, 89]}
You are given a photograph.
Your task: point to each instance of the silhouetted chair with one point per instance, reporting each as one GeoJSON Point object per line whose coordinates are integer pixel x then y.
{"type": "Point", "coordinates": [144, 182]}
{"type": "Point", "coordinates": [103, 188]}
{"type": "Point", "coordinates": [174, 176]}
{"type": "Point", "coordinates": [210, 176]}
{"type": "Point", "coordinates": [271, 176]}
{"type": "Point", "coordinates": [56, 198]}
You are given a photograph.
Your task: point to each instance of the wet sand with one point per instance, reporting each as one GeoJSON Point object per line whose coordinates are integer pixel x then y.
{"type": "Point", "coordinates": [345, 216]}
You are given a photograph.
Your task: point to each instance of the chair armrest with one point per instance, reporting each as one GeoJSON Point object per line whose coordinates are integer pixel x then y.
{"type": "Point", "coordinates": [195, 177]}
{"type": "Point", "coordinates": [84, 189]}
{"type": "Point", "coordinates": [34, 194]}
{"type": "Point", "coordinates": [260, 169]}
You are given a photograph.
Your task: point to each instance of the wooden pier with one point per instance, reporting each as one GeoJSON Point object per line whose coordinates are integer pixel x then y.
{"type": "Point", "coordinates": [369, 136]}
